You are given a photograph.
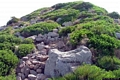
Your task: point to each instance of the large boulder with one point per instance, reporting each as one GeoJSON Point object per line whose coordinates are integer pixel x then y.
{"type": "Point", "coordinates": [60, 63]}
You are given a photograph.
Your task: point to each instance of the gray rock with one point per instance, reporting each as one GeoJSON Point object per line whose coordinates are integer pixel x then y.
{"type": "Point", "coordinates": [41, 76]}
{"type": "Point", "coordinates": [31, 77]}
{"type": "Point", "coordinates": [60, 63]}
{"type": "Point", "coordinates": [53, 34]}
{"type": "Point", "coordinates": [28, 62]}
{"type": "Point", "coordinates": [39, 70]}
{"type": "Point", "coordinates": [25, 58]}
{"type": "Point", "coordinates": [33, 72]}
{"type": "Point", "coordinates": [19, 78]}
{"type": "Point", "coordinates": [117, 35]}
{"type": "Point", "coordinates": [55, 30]}
{"type": "Point", "coordinates": [27, 71]}
{"type": "Point", "coordinates": [67, 23]}
{"type": "Point", "coordinates": [60, 44]}
{"type": "Point", "coordinates": [32, 37]}
{"type": "Point", "coordinates": [35, 62]}
{"type": "Point", "coordinates": [23, 76]}
{"type": "Point", "coordinates": [40, 46]}
{"type": "Point", "coordinates": [26, 79]}
{"type": "Point", "coordinates": [59, 19]}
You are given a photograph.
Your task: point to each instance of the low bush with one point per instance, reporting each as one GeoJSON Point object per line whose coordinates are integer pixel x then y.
{"type": "Point", "coordinates": [27, 41]}
{"type": "Point", "coordinates": [65, 31]}
{"type": "Point", "coordinates": [104, 44]}
{"type": "Point", "coordinates": [10, 39]}
{"type": "Point", "coordinates": [78, 35]}
{"type": "Point", "coordinates": [38, 28]}
{"type": "Point", "coordinates": [8, 61]}
{"type": "Point", "coordinates": [24, 49]}
{"type": "Point", "coordinates": [109, 63]}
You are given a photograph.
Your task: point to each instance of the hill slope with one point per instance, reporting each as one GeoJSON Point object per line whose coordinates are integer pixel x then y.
{"type": "Point", "coordinates": [75, 24]}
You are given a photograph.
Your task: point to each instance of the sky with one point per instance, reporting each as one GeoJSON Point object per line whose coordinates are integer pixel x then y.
{"type": "Point", "coordinates": [19, 8]}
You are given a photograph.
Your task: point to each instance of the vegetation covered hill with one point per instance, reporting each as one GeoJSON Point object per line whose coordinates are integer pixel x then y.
{"type": "Point", "coordinates": [82, 20]}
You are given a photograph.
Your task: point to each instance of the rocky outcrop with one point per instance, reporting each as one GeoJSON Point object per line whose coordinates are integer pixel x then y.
{"type": "Point", "coordinates": [60, 63]}
{"type": "Point", "coordinates": [50, 37]}
{"type": "Point", "coordinates": [31, 66]}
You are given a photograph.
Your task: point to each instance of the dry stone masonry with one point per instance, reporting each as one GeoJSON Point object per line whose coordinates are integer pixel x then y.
{"type": "Point", "coordinates": [31, 67]}
{"type": "Point", "coordinates": [50, 59]}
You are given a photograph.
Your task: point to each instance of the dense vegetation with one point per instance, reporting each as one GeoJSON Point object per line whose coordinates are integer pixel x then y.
{"type": "Point", "coordinates": [89, 21]}
{"type": "Point", "coordinates": [89, 72]}
{"type": "Point", "coordinates": [35, 29]}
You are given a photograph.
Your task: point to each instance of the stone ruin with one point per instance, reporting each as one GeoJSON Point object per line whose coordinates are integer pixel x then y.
{"type": "Point", "coordinates": [50, 59]}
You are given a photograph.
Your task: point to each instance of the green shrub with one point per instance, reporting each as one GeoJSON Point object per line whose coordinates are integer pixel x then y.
{"type": "Point", "coordinates": [10, 39]}
{"type": "Point", "coordinates": [117, 73]}
{"type": "Point", "coordinates": [7, 46]}
{"type": "Point", "coordinates": [89, 72]}
{"type": "Point", "coordinates": [35, 29]}
{"type": "Point", "coordinates": [13, 20]}
{"type": "Point", "coordinates": [104, 44]}
{"type": "Point", "coordinates": [114, 15]}
{"type": "Point", "coordinates": [8, 61]}
{"type": "Point", "coordinates": [78, 35]}
{"type": "Point", "coordinates": [65, 14]}
{"type": "Point", "coordinates": [27, 41]}
{"type": "Point", "coordinates": [11, 76]}
{"type": "Point", "coordinates": [108, 75]}
{"type": "Point", "coordinates": [84, 72]}
{"type": "Point", "coordinates": [24, 49]}
{"type": "Point", "coordinates": [66, 30]}
{"type": "Point", "coordinates": [84, 6]}
{"type": "Point", "coordinates": [109, 63]}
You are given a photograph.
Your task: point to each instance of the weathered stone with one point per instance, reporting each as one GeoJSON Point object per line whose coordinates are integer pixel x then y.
{"type": "Point", "coordinates": [32, 37]}
{"type": "Point", "coordinates": [23, 76]}
{"type": "Point", "coordinates": [19, 74]}
{"type": "Point", "coordinates": [117, 35]}
{"type": "Point", "coordinates": [43, 58]}
{"type": "Point", "coordinates": [36, 66]}
{"type": "Point", "coordinates": [38, 70]}
{"type": "Point", "coordinates": [53, 34]}
{"type": "Point", "coordinates": [22, 70]}
{"type": "Point", "coordinates": [31, 77]}
{"type": "Point", "coordinates": [59, 19]}
{"type": "Point", "coordinates": [26, 79]}
{"type": "Point", "coordinates": [43, 52]}
{"type": "Point", "coordinates": [67, 23]}
{"type": "Point", "coordinates": [19, 78]}
{"type": "Point", "coordinates": [60, 63]}
{"type": "Point", "coordinates": [28, 62]}
{"type": "Point", "coordinates": [40, 46]}
{"type": "Point", "coordinates": [33, 72]}
{"type": "Point", "coordinates": [27, 70]}
{"type": "Point", "coordinates": [18, 70]}
{"type": "Point", "coordinates": [41, 76]}
{"type": "Point", "coordinates": [42, 65]}
{"type": "Point", "coordinates": [55, 30]}
{"type": "Point", "coordinates": [22, 64]}
{"type": "Point", "coordinates": [35, 62]}
{"type": "Point", "coordinates": [31, 66]}
{"type": "Point", "coordinates": [39, 39]}
{"type": "Point", "coordinates": [60, 44]}
{"type": "Point", "coordinates": [25, 58]}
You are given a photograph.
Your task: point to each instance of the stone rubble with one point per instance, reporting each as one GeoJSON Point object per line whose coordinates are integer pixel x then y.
{"type": "Point", "coordinates": [50, 55]}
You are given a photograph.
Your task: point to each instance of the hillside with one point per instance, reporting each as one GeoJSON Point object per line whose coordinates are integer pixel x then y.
{"type": "Point", "coordinates": [67, 41]}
